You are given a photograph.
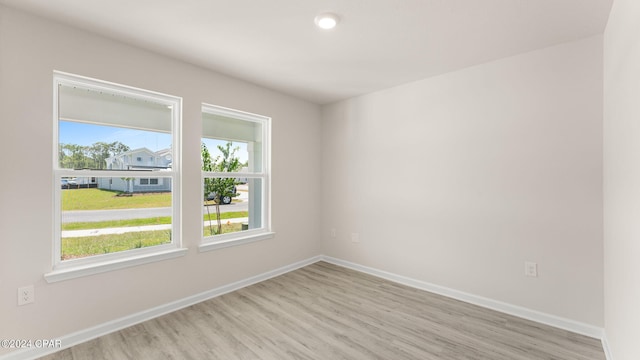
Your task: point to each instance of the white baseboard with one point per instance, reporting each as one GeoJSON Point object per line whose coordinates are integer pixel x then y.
{"type": "Point", "coordinates": [533, 315]}
{"type": "Point", "coordinates": [121, 323]}
{"type": "Point", "coordinates": [605, 346]}
{"type": "Point", "coordinates": [124, 322]}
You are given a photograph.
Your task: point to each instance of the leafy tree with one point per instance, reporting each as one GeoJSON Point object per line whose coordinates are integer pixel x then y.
{"type": "Point", "coordinates": [218, 187]}
{"type": "Point", "coordinates": [100, 151]}
{"type": "Point", "coordinates": [74, 156]}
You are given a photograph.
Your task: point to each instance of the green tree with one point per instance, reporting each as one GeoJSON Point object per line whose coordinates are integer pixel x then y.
{"type": "Point", "coordinates": [99, 153]}
{"type": "Point", "coordinates": [73, 156]}
{"type": "Point", "coordinates": [219, 187]}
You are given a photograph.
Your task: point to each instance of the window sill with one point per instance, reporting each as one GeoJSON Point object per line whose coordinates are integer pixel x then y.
{"type": "Point", "coordinates": [101, 267]}
{"type": "Point", "coordinates": [215, 245]}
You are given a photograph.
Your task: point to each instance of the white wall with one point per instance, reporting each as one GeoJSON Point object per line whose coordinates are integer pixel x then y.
{"type": "Point", "coordinates": [622, 179]}
{"type": "Point", "coordinates": [457, 180]}
{"type": "Point", "coordinates": [454, 180]}
{"type": "Point", "coordinates": [30, 50]}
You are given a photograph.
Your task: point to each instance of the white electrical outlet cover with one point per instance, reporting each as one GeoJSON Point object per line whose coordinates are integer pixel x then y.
{"type": "Point", "coordinates": [26, 295]}
{"type": "Point", "coordinates": [530, 269]}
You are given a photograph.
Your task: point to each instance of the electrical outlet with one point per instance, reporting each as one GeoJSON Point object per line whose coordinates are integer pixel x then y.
{"type": "Point", "coordinates": [355, 237]}
{"type": "Point", "coordinates": [26, 295]}
{"type": "Point", "coordinates": [530, 269]}
{"type": "Point", "coordinates": [333, 232]}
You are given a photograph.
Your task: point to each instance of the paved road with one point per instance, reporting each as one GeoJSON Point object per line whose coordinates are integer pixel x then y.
{"type": "Point", "coordinates": [104, 215]}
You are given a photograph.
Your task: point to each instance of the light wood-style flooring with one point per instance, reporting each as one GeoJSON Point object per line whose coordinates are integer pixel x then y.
{"type": "Point", "coordinates": [327, 312]}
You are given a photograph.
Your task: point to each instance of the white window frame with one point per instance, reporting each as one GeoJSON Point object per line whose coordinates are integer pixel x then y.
{"type": "Point", "coordinates": [68, 269]}
{"type": "Point", "coordinates": [246, 236]}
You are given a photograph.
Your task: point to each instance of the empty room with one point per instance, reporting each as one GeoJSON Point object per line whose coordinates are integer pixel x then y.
{"type": "Point", "coordinates": [286, 179]}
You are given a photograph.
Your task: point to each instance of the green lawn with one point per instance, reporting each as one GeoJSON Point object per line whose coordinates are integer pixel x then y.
{"type": "Point", "coordinates": [116, 223]}
{"type": "Point", "coordinates": [226, 228]}
{"type": "Point", "coordinates": [227, 215]}
{"type": "Point", "coordinates": [98, 199]}
{"type": "Point", "coordinates": [73, 248]}
{"type": "Point", "coordinates": [96, 245]}
{"type": "Point", "coordinates": [143, 222]}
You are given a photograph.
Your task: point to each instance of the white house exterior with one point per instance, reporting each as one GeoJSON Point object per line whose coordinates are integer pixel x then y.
{"type": "Point", "coordinates": [149, 163]}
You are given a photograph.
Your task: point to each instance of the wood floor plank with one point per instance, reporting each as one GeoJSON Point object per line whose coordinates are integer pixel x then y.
{"type": "Point", "coordinates": [324, 311]}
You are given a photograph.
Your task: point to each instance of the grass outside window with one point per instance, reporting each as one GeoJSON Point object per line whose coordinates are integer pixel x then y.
{"type": "Point", "coordinates": [99, 199]}
{"type": "Point", "coordinates": [75, 246]}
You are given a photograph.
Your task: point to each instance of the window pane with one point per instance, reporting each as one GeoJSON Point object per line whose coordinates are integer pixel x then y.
{"type": "Point", "coordinates": [245, 139]}
{"type": "Point", "coordinates": [90, 146]}
{"type": "Point", "coordinates": [112, 214]}
{"type": "Point", "coordinates": [239, 202]}
{"type": "Point", "coordinates": [109, 129]}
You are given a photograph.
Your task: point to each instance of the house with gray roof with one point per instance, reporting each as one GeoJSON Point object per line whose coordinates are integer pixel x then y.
{"type": "Point", "coordinates": [149, 163]}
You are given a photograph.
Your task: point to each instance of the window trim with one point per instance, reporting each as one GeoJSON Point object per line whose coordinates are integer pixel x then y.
{"type": "Point", "coordinates": [99, 267]}
{"type": "Point", "coordinates": [106, 262]}
{"type": "Point", "coordinates": [247, 236]}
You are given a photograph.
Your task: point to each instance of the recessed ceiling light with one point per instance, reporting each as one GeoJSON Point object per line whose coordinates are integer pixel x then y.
{"type": "Point", "coordinates": [326, 21]}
